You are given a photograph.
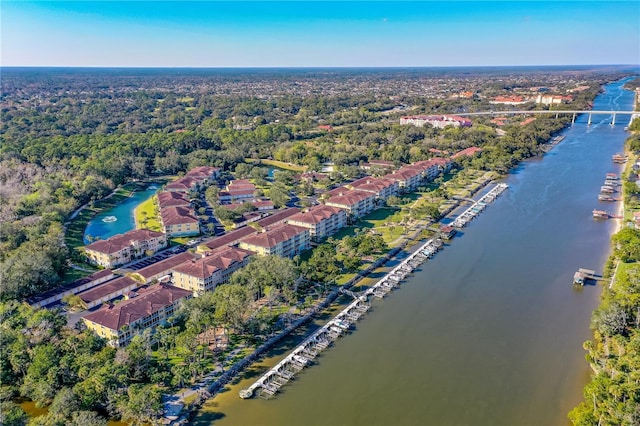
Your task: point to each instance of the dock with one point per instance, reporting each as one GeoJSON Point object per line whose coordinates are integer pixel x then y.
{"type": "Point", "coordinates": [477, 207]}
{"type": "Point", "coordinates": [304, 354]}
{"type": "Point", "coordinates": [583, 275]}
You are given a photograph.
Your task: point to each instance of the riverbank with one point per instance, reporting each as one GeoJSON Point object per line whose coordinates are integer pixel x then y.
{"type": "Point", "coordinates": [494, 319]}
{"type": "Point", "coordinates": [611, 396]}
{"type": "Point", "coordinates": [215, 381]}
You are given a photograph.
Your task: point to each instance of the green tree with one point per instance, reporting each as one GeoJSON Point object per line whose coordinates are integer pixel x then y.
{"type": "Point", "coordinates": [279, 195]}
{"type": "Point", "coordinates": [11, 414]}
{"type": "Point", "coordinates": [142, 404]}
{"type": "Point", "coordinates": [323, 265]}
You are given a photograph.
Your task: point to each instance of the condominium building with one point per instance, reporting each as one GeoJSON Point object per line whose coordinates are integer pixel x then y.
{"type": "Point", "coordinates": [283, 240]}
{"type": "Point", "coordinates": [55, 295]}
{"type": "Point", "coordinates": [107, 291]}
{"type": "Point", "coordinates": [147, 308]}
{"type": "Point", "coordinates": [322, 221]}
{"type": "Point", "coordinates": [237, 190]}
{"type": "Point", "coordinates": [200, 275]}
{"type": "Point", "coordinates": [179, 221]}
{"type": "Point", "coordinates": [163, 268]}
{"type": "Point", "coordinates": [437, 121]}
{"type": "Point", "coordinates": [356, 202]}
{"type": "Point", "coordinates": [172, 199]}
{"type": "Point", "coordinates": [409, 178]}
{"type": "Point", "coordinates": [123, 248]}
{"type": "Point", "coordinates": [194, 180]}
{"type": "Point", "coordinates": [383, 188]}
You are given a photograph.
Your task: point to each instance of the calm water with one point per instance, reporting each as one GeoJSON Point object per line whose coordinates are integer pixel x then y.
{"type": "Point", "coordinates": [104, 226]}
{"type": "Point", "coordinates": [490, 332]}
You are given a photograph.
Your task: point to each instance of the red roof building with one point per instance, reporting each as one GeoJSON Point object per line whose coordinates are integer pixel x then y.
{"type": "Point", "coordinates": [147, 309]}
{"type": "Point", "coordinates": [108, 291]}
{"type": "Point", "coordinates": [162, 268]}
{"type": "Point", "coordinates": [200, 275]}
{"type": "Point", "coordinates": [383, 188]}
{"type": "Point", "coordinates": [322, 221]}
{"type": "Point", "coordinates": [283, 240]}
{"type": "Point", "coordinates": [179, 221]}
{"type": "Point", "coordinates": [123, 248]}
{"type": "Point", "coordinates": [356, 202]}
{"type": "Point", "coordinates": [172, 199]}
{"type": "Point", "coordinates": [468, 152]}
{"type": "Point", "coordinates": [409, 178]}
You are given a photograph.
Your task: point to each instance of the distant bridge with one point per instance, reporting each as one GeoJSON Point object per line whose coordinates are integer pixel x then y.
{"type": "Point", "coordinates": [557, 113]}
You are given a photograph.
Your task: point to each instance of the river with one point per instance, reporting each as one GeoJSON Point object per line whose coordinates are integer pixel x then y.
{"type": "Point", "coordinates": [490, 331]}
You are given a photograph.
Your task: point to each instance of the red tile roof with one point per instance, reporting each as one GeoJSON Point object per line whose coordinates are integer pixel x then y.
{"type": "Point", "coordinates": [182, 184]}
{"type": "Point", "coordinates": [121, 241]}
{"type": "Point", "coordinates": [405, 173]}
{"type": "Point", "coordinates": [229, 238]}
{"type": "Point", "coordinates": [202, 172]}
{"type": "Point", "coordinates": [278, 217]}
{"type": "Point", "coordinates": [165, 265]}
{"type": "Point", "coordinates": [468, 152]}
{"type": "Point", "coordinates": [216, 261]}
{"type": "Point", "coordinates": [107, 288]}
{"type": "Point", "coordinates": [350, 198]}
{"type": "Point", "coordinates": [271, 237]}
{"type": "Point", "coordinates": [374, 184]}
{"type": "Point", "coordinates": [233, 237]}
{"type": "Point", "coordinates": [316, 214]}
{"type": "Point", "coordinates": [177, 215]}
{"type": "Point", "coordinates": [146, 303]}
{"type": "Point", "coordinates": [168, 199]}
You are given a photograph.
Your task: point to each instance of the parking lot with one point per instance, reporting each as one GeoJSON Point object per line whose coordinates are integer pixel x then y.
{"type": "Point", "coordinates": [156, 258]}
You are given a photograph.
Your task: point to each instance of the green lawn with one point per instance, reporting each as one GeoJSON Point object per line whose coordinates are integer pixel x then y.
{"type": "Point", "coordinates": [278, 164]}
{"type": "Point", "coordinates": [147, 216]}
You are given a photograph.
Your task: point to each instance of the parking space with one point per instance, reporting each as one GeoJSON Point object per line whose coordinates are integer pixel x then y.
{"type": "Point", "coordinates": [156, 258]}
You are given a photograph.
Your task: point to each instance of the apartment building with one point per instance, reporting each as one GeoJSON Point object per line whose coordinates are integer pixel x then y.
{"type": "Point", "coordinates": [356, 202]}
{"type": "Point", "coordinates": [322, 221]}
{"type": "Point", "coordinates": [145, 309]}
{"type": "Point", "coordinates": [179, 221]}
{"type": "Point", "coordinates": [383, 188]}
{"type": "Point", "coordinates": [124, 248]}
{"type": "Point", "coordinates": [200, 275]}
{"type": "Point", "coordinates": [409, 178]}
{"type": "Point", "coordinates": [283, 240]}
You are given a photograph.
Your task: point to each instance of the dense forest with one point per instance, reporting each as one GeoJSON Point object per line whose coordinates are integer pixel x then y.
{"type": "Point", "coordinates": [70, 139]}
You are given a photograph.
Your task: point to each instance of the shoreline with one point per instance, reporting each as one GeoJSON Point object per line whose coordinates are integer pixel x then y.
{"type": "Point", "coordinates": [208, 389]}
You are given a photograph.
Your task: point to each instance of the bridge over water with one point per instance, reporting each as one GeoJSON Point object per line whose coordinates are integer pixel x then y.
{"type": "Point", "coordinates": [557, 113]}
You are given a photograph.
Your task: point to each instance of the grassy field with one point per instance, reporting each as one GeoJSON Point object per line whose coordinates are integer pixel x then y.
{"type": "Point", "coordinates": [147, 216]}
{"type": "Point", "coordinates": [278, 164]}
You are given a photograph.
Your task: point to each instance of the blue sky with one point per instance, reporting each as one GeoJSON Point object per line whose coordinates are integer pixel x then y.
{"type": "Point", "coordinates": [307, 34]}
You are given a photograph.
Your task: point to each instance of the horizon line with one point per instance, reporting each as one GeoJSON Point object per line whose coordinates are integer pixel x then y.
{"type": "Point", "coordinates": [314, 66]}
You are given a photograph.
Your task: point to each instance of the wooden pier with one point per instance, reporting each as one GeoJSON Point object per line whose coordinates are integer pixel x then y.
{"type": "Point", "coordinates": [303, 355]}
{"type": "Point", "coordinates": [479, 205]}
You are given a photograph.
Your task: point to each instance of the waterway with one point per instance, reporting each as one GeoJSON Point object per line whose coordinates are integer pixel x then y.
{"type": "Point", "coordinates": [490, 331]}
{"type": "Point", "coordinates": [118, 219]}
